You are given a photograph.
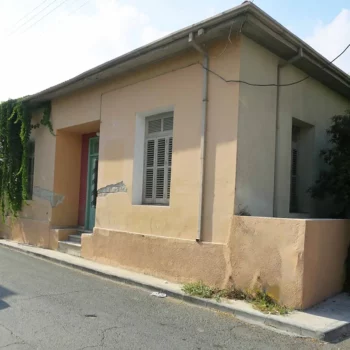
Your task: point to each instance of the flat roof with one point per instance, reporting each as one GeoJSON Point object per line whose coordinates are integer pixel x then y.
{"type": "Point", "coordinates": [247, 17]}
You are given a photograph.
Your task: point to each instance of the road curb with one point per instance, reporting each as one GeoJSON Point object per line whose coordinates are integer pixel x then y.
{"type": "Point", "coordinates": [272, 322]}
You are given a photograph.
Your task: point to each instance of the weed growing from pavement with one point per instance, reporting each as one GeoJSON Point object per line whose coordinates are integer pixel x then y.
{"type": "Point", "coordinates": [199, 289]}
{"type": "Point", "coordinates": [260, 299]}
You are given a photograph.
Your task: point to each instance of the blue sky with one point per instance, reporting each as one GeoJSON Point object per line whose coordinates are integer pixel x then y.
{"type": "Point", "coordinates": [301, 15]}
{"type": "Point", "coordinates": [51, 45]}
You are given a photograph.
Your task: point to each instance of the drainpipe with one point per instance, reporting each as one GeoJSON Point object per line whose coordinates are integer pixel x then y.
{"type": "Point", "coordinates": [203, 127]}
{"type": "Point", "coordinates": [279, 66]}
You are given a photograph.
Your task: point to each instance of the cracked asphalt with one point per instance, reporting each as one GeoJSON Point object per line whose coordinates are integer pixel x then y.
{"type": "Point", "coordinates": [47, 306]}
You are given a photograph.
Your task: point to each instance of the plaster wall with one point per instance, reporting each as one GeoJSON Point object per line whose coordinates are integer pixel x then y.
{"type": "Point", "coordinates": [310, 104]}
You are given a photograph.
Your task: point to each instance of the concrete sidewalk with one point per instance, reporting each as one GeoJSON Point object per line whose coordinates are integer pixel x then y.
{"type": "Point", "coordinates": [329, 321]}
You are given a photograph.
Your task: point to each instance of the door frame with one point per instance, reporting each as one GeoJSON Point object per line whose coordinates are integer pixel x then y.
{"type": "Point", "coordinates": [88, 183]}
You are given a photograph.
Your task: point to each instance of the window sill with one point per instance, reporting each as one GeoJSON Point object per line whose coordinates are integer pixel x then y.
{"type": "Point", "coordinates": [299, 215]}
{"type": "Point", "coordinates": [152, 205]}
{"type": "Point", "coordinates": [299, 212]}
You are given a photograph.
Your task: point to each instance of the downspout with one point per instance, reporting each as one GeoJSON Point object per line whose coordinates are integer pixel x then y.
{"type": "Point", "coordinates": [278, 83]}
{"type": "Point", "coordinates": [203, 128]}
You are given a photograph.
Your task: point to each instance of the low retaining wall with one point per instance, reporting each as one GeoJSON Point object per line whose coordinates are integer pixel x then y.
{"type": "Point", "coordinates": [300, 262]}
{"type": "Point", "coordinates": [28, 231]}
{"type": "Point", "coordinates": [172, 259]}
{"type": "Point", "coordinates": [59, 234]}
{"type": "Point", "coordinates": [34, 232]}
{"type": "Point", "coordinates": [268, 253]}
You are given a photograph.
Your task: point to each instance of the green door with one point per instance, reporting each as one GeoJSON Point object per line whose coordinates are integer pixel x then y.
{"type": "Point", "coordinates": [92, 183]}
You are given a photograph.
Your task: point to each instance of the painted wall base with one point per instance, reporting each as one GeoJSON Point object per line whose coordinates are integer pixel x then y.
{"type": "Point", "coordinates": [299, 262]}
{"type": "Point", "coordinates": [172, 259]}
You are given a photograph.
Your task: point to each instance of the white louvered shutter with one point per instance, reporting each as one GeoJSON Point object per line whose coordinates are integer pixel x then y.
{"type": "Point", "coordinates": [149, 171]}
{"type": "Point", "coordinates": [158, 159]}
{"type": "Point", "coordinates": [170, 157]}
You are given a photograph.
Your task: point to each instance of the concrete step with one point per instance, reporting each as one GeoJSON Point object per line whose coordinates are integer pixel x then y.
{"type": "Point", "coordinates": [69, 247]}
{"type": "Point", "coordinates": [82, 230]}
{"type": "Point", "coordinates": [76, 238]}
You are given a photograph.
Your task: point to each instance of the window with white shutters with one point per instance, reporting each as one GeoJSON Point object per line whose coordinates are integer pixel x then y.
{"type": "Point", "coordinates": [158, 159]}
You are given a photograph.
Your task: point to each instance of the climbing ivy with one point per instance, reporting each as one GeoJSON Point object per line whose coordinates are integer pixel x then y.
{"type": "Point", "coordinates": [15, 130]}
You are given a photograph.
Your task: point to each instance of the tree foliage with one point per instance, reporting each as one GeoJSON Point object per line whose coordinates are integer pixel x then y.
{"type": "Point", "coordinates": [334, 181]}
{"type": "Point", "coordinates": [15, 130]}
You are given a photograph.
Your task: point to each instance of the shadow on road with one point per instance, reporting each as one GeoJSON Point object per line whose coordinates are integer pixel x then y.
{"type": "Point", "coordinates": [4, 292]}
{"type": "Point", "coordinates": [3, 305]}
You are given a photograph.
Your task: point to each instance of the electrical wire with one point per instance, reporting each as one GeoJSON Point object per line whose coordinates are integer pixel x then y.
{"type": "Point", "coordinates": [72, 12]}
{"type": "Point", "coordinates": [229, 41]}
{"type": "Point", "coordinates": [209, 70]}
{"type": "Point", "coordinates": [30, 12]}
{"type": "Point", "coordinates": [41, 18]}
{"type": "Point", "coordinates": [340, 54]}
{"type": "Point", "coordinates": [32, 17]}
{"type": "Point", "coordinates": [271, 85]}
{"type": "Point", "coordinates": [251, 84]}
{"type": "Point", "coordinates": [77, 9]}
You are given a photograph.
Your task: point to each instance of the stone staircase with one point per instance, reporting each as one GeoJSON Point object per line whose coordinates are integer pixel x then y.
{"type": "Point", "coordinates": [72, 245]}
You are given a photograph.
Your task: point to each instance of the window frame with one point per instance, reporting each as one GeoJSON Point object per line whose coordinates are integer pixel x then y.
{"type": "Point", "coordinates": [167, 135]}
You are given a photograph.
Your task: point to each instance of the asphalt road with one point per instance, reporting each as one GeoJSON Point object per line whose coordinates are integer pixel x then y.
{"type": "Point", "coordinates": [47, 306]}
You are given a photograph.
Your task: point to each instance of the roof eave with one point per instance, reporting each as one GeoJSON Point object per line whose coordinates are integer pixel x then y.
{"type": "Point", "coordinates": [296, 41]}
{"type": "Point", "coordinates": [178, 39]}
{"type": "Point", "coordinates": [257, 24]}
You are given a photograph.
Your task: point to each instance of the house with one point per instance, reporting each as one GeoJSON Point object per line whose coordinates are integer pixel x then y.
{"type": "Point", "coordinates": [189, 159]}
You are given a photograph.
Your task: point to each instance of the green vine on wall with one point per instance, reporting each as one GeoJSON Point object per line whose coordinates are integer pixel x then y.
{"type": "Point", "coordinates": [15, 129]}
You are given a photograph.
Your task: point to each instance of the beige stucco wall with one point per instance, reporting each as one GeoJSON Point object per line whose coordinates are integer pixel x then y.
{"type": "Point", "coordinates": [268, 253]}
{"type": "Point", "coordinates": [255, 145]}
{"type": "Point", "coordinates": [247, 252]}
{"type": "Point", "coordinates": [176, 260]}
{"type": "Point", "coordinates": [34, 232]}
{"type": "Point", "coordinates": [176, 82]}
{"type": "Point", "coordinates": [28, 231]}
{"type": "Point", "coordinates": [310, 102]}
{"type": "Point", "coordinates": [299, 262]}
{"type": "Point", "coordinates": [57, 235]}
{"type": "Point", "coordinates": [67, 178]}
{"type": "Point", "coordinates": [315, 104]}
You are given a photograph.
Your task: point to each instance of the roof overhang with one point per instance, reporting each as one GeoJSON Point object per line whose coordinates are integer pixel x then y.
{"type": "Point", "coordinates": [250, 19]}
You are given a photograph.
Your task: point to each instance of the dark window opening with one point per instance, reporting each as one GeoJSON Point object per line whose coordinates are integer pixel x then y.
{"type": "Point", "coordinates": [293, 204]}
{"type": "Point", "coordinates": [30, 184]}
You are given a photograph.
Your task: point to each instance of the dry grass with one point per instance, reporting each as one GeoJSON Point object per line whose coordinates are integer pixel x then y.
{"type": "Point", "coordinates": [260, 300]}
